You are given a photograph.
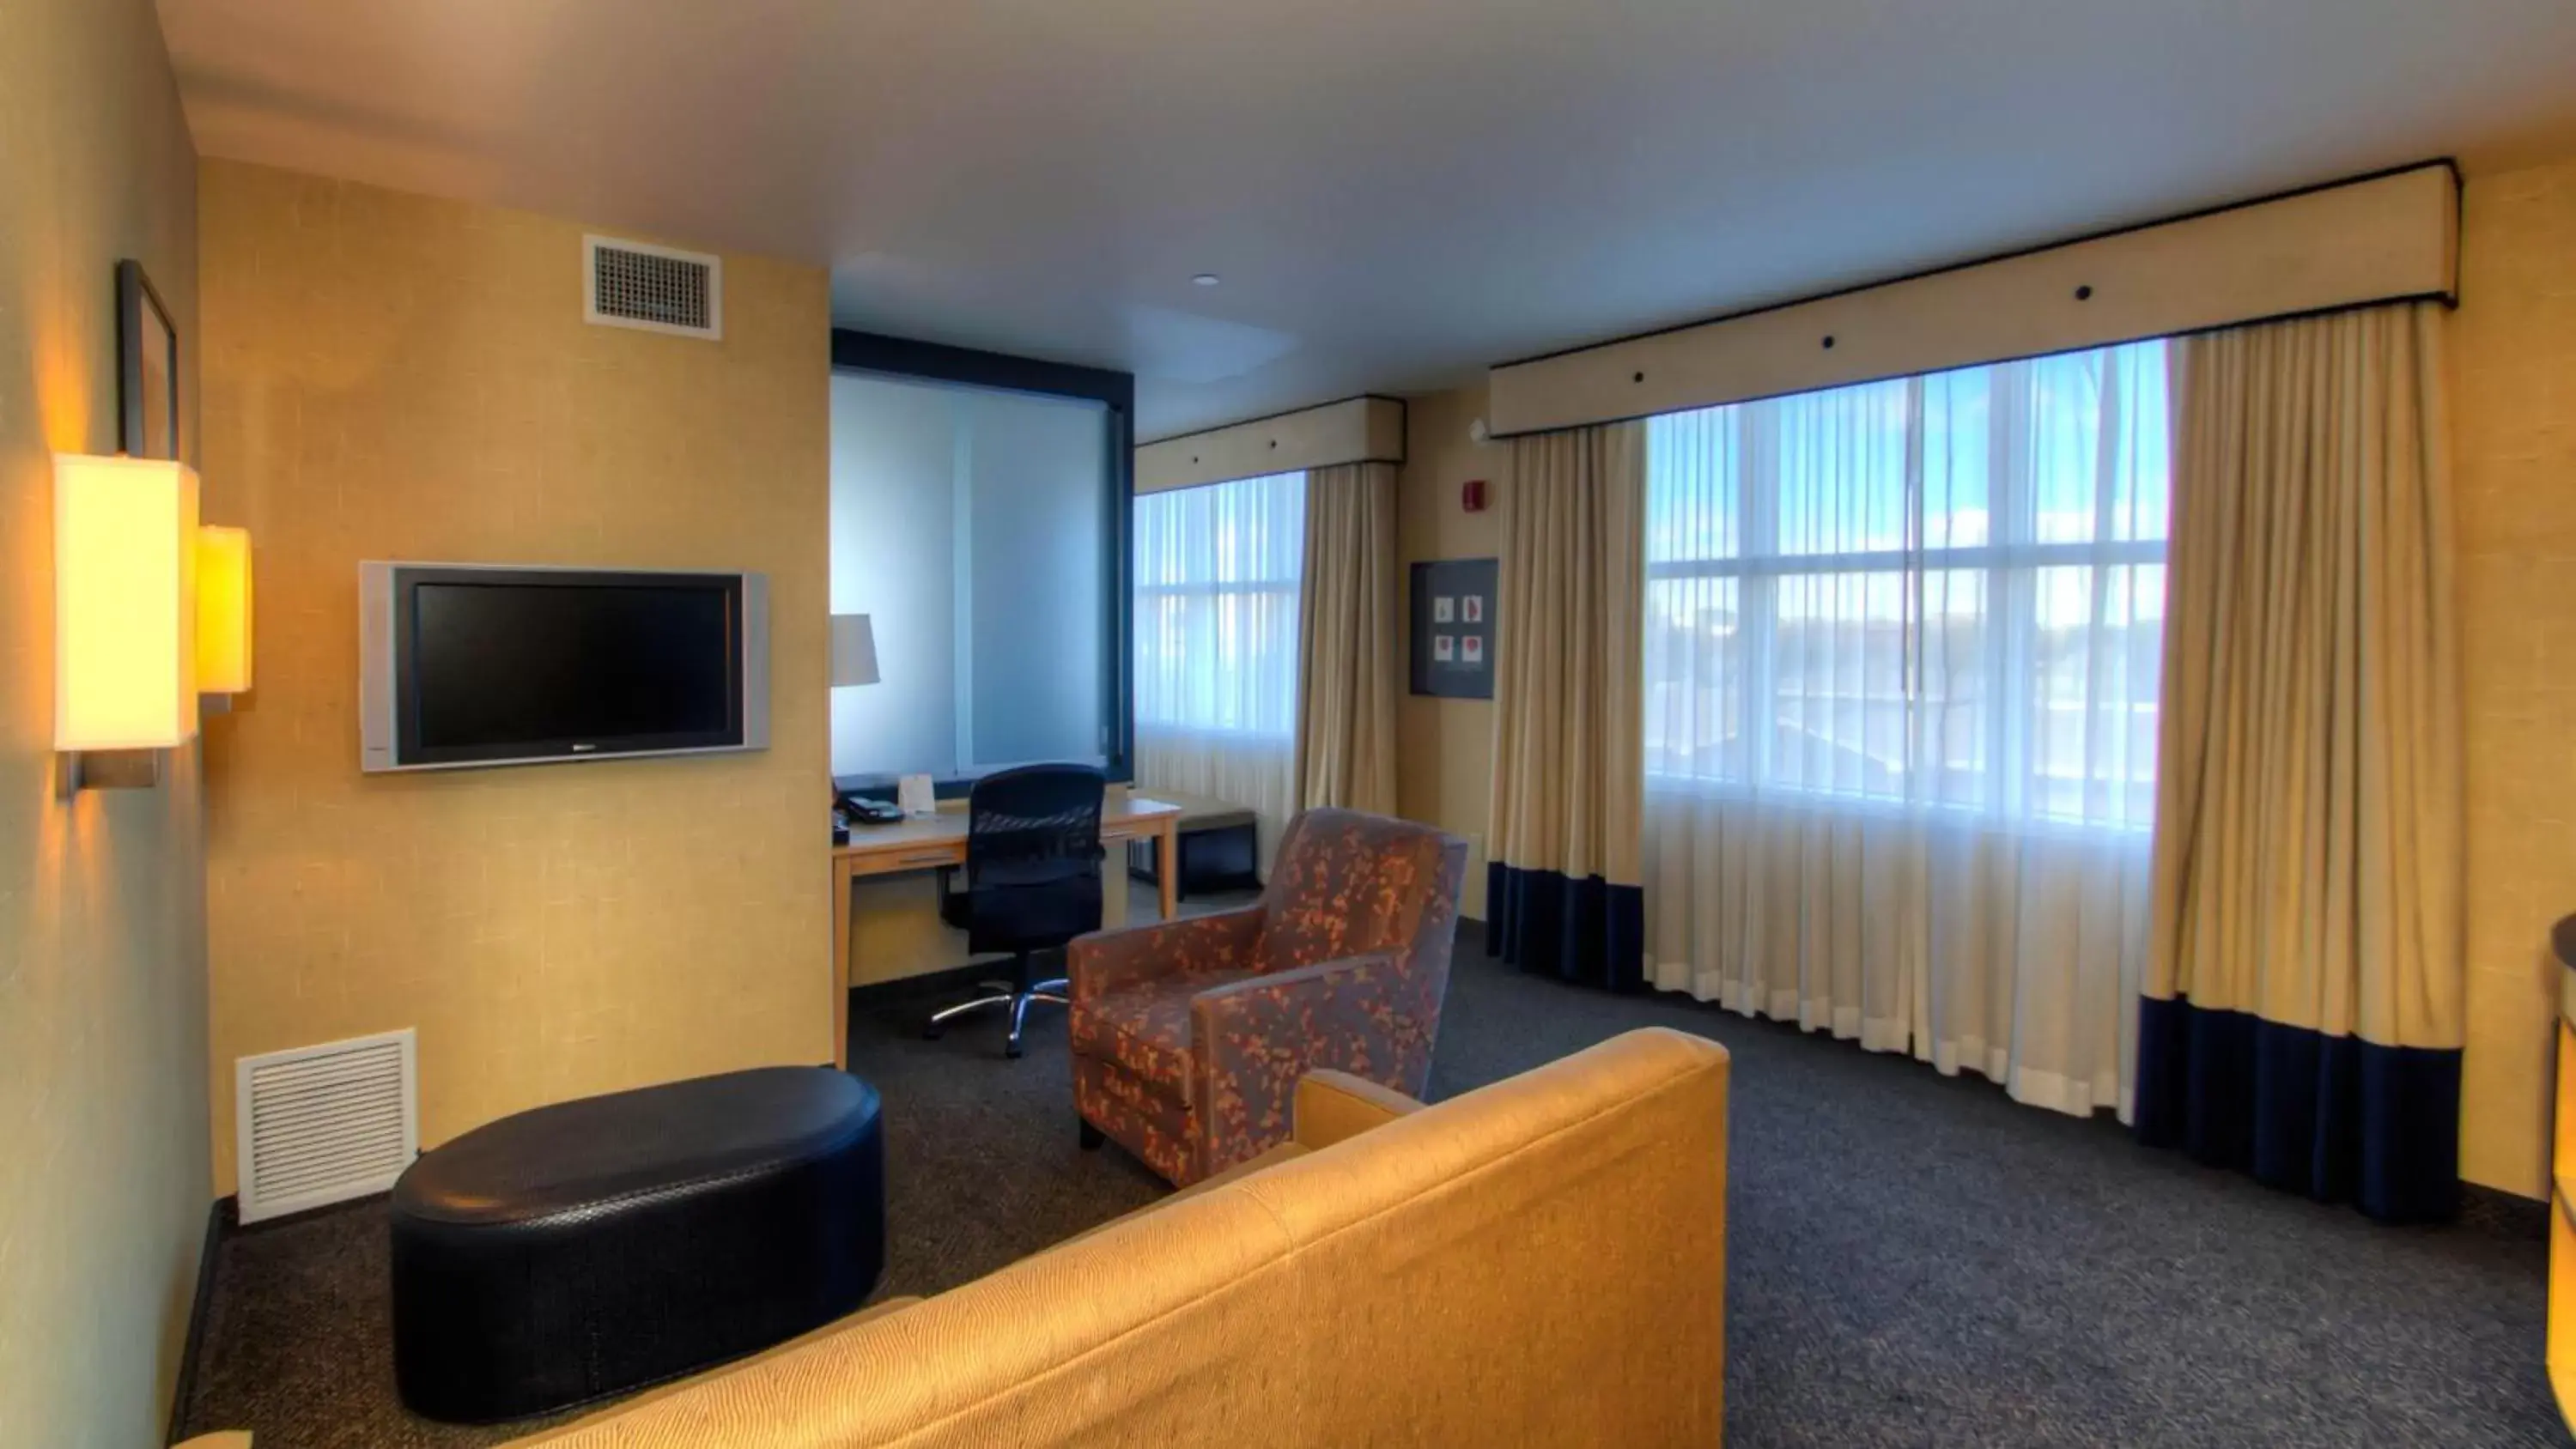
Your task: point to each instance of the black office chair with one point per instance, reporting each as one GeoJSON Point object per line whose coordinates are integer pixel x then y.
{"type": "Point", "coordinates": [1032, 880]}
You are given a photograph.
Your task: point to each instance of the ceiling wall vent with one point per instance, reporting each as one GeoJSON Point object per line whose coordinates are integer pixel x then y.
{"type": "Point", "coordinates": [323, 1124]}
{"type": "Point", "coordinates": [658, 289]}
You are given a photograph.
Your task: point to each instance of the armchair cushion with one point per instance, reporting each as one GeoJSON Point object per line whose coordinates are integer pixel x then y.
{"type": "Point", "coordinates": [1156, 1125]}
{"type": "Point", "coordinates": [1346, 882]}
{"type": "Point", "coordinates": [1145, 1026]}
{"type": "Point", "coordinates": [1260, 1034]}
{"type": "Point", "coordinates": [1189, 1037]}
{"type": "Point", "coordinates": [1107, 962]}
{"type": "Point", "coordinates": [1332, 1107]}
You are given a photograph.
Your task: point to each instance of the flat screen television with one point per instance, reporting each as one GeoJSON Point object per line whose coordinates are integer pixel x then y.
{"type": "Point", "coordinates": [463, 665]}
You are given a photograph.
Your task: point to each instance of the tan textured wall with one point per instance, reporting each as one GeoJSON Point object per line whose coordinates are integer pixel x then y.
{"type": "Point", "coordinates": [2514, 411]}
{"type": "Point", "coordinates": [395, 377]}
{"type": "Point", "coordinates": [103, 1174]}
{"type": "Point", "coordinates": [1445, 747]}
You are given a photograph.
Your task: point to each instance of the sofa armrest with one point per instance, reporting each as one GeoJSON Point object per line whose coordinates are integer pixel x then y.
{"type": "Point", "coordinates": [1252, 1039]}
{"type": "Point", "coordinates": [1105, 961]}
{"type": "Point", "coordinates": [1335, 1106]}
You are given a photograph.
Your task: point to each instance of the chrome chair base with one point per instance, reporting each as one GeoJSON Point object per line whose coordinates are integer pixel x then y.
{"type": "Point", "coordinates": [1005, 995]}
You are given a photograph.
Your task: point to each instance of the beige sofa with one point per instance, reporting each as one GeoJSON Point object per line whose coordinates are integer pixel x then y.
{"type": "Point", "coordinates": [1539, 1262]}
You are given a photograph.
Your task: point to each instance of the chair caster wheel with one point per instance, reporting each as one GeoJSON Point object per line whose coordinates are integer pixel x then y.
{"type": "Point", "coordinates": [1092, 1137]}
{"type": "Point", "coordinates": [1011, 1050]}
{"type": "Point", "coordinates": [933, 1033]}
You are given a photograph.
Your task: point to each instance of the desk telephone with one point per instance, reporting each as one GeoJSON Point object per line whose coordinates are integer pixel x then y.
{"type": "Point", "coordinates": [851, 810]}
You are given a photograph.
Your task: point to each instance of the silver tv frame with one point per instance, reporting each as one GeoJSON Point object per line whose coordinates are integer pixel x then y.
{"type": "Point", "coordinates": [379, 737]}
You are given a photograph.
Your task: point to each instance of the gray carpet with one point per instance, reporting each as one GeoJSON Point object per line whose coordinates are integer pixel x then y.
{"type": "Point", "coordinates": [1911, 1260]}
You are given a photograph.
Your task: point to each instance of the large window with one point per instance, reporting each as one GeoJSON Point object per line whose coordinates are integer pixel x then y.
{"type": "Point", "coordinates": [1216, 607]}
{"type": "Point", "coordinates": [1942, 592]}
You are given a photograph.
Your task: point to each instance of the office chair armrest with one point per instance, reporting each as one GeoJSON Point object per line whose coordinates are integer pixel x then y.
{"type": "Point", "coordinates": [1105, 961]}
{"type": "Point", "coordinates": [1252, 1040]}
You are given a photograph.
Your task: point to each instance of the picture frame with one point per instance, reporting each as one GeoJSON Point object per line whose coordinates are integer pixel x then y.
{"type": "Point", "coordinates": [1453, 606]}
{"type": "Point", "coordinates": [147, 367]}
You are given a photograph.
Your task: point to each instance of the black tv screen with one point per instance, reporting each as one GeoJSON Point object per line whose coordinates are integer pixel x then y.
{"type": "Point", "coordinates": [493, 665]}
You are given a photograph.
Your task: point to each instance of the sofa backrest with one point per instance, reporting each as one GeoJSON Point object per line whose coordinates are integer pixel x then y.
{"type": "Point", "coordinates": [1538, 1262]}
{"type": "Point", "coordinates": [1346, 882]}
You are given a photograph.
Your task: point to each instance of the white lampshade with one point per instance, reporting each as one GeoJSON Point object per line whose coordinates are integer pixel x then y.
{"type": "Point", "coordinates": [854, 651]}
{"type": "Point", "coordinates": [125, 603]}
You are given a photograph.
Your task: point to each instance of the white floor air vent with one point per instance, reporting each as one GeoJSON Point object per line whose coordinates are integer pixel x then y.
{"type": "Point", "coordinates": [322, 1124]}
{"type": "Point", "coordinates": [659, 289]}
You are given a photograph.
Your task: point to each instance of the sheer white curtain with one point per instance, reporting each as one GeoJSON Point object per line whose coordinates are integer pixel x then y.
{"type": "Point", "coordinates": [1217, 572]}
{"type": "Point", "coordinates": [1902, 644]}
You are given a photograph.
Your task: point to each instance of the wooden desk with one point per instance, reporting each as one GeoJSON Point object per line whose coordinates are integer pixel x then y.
{"type": "Point", "coordinates": [927, 842]}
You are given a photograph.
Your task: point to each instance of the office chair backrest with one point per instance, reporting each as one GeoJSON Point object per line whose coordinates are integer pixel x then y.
{"type": "Point", "coordinates": [1033, 856]}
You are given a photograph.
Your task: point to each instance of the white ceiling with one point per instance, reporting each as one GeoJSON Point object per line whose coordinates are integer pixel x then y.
{"type": "Point", "coordinates": [1396, 192]}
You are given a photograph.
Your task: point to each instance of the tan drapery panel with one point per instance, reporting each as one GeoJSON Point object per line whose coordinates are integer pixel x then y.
{"type": "Point", "coordinates": [1569, 767]}
{"type": "Point", "coordinates": [1348, 618]}
{"type": "Point", "coordinates": [2308, 798]}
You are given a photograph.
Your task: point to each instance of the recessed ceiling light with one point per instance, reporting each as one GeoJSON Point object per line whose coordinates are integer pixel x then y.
{"type": "Point", "coordinates": [1206, 279]}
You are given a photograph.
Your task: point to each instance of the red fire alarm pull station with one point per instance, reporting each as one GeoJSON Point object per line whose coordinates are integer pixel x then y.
{"type": "Point", "coordinates": [1472, 495]}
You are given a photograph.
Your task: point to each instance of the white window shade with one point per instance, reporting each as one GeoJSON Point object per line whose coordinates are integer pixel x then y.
{"type": "Point", "coordinates": [1943, 591]}
{"type": "Point", "coordinates": [1902, 674]}
{"type": "Point", "coordinates": [971, 527]}
{"type": "Point", "coordinates": [1217, 574]}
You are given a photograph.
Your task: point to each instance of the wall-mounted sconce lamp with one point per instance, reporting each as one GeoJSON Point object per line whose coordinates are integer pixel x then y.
{"type": "Point", "coordinates": [125, 647]}
{"type": "Point", "coordinates": [223, 615]}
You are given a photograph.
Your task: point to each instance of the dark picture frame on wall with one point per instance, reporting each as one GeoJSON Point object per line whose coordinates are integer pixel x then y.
{"type": "Point", "coordinates": [147, 367]}
{"type": "Point", "coordinates": [1453, 627]}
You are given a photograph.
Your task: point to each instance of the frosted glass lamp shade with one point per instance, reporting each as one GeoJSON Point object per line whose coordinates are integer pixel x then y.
{"type": "Point", "coordinates": [125, 603]}
{"type": "Point", "coordinates": [223, 610]}
{"type": "Point", "coordinates": [854, 651]}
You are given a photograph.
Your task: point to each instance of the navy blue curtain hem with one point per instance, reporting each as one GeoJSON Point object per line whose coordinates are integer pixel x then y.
{"type": "Point", "coordinates": [2335, 1117]}
{"type": "Point", "coordinates": [1583, 929]}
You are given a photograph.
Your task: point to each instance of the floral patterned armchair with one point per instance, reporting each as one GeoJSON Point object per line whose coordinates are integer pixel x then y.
{"type": "Point", "coordinates": [1189, 1036]}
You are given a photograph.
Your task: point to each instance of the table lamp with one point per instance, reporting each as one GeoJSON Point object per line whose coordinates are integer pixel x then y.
{"type": "Point", "coordinates": [854, 651]}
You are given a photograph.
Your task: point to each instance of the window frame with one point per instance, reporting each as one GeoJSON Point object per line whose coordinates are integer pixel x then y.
{"type": "Point", "coordinates": [1266, 586]}
{"type": "Point", "coordinates": [2011, 569]}
{"type": "Point", "coordinates": [910, 359]}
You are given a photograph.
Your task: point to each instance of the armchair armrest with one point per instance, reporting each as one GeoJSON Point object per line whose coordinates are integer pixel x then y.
{"type": "Point", "coordinates": [1252, 1039]}
{"type": "Point", "coordinates": [1333, 1106]}
{"type": "Point", "coordinates": [1108, 960]}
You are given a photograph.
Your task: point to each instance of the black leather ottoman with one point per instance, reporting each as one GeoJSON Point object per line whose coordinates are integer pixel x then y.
{"type": "Point", "coordinates": [596, 1246]}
